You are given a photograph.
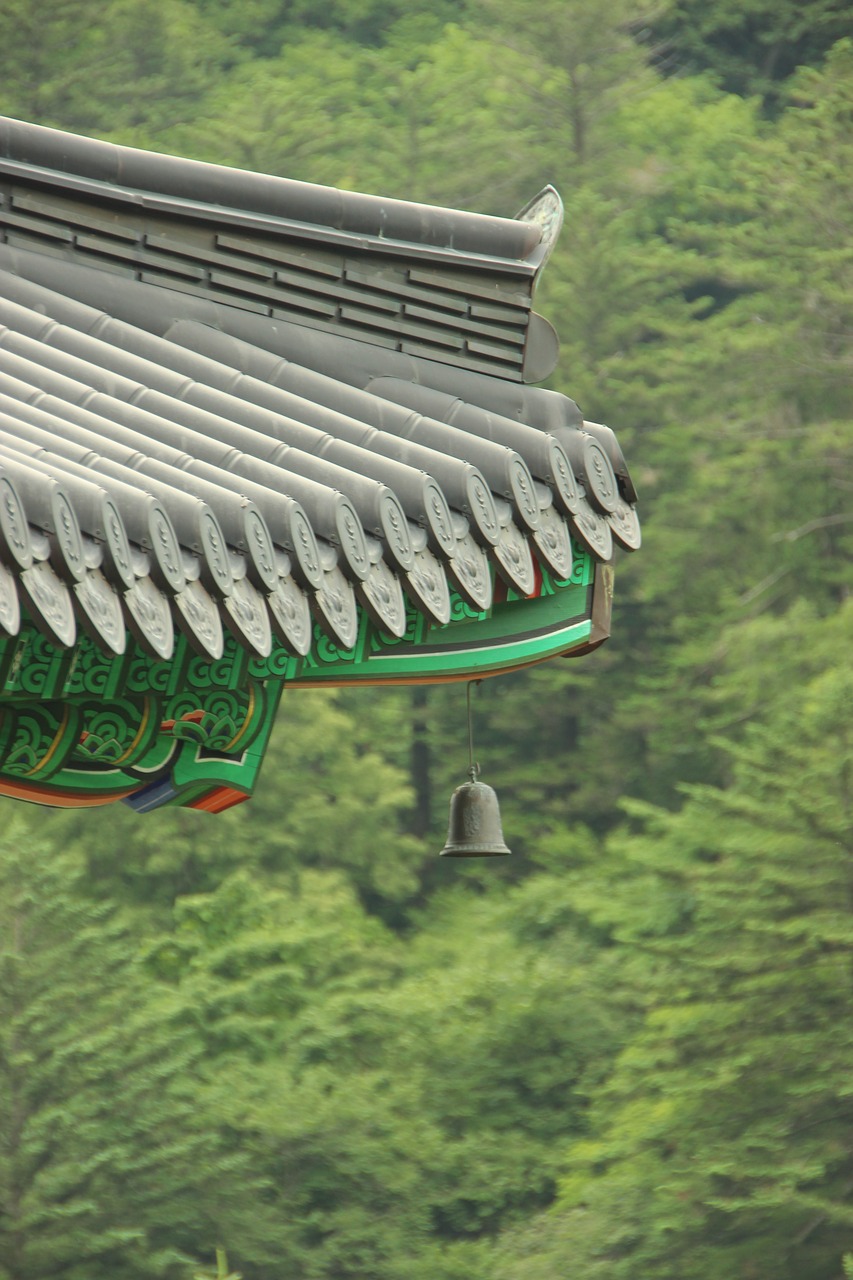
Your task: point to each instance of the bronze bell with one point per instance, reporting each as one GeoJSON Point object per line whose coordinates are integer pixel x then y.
{"type": "Point", "coordinates": [474, 830]}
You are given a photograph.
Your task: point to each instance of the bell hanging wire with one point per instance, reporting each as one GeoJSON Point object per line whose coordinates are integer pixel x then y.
{"type": "Point", "coordinates": [474, 828]}
{"type": "Point", "coordinates": [473, 767]}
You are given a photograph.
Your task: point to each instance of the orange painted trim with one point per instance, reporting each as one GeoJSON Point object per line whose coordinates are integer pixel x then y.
{"type": "Point", "coordinates": [138, 738]}
{"type": "Point", "coordinates": [59, 799]}
{"type": "Point", "coordinates": [244, 728]}
{"type": "Point", "coordinates": [51, 751]}
{"type": "Point", "coordinates": [218, 800]}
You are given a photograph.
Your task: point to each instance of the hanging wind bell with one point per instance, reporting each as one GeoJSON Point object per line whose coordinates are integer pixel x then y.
{"type": "Point", "coordinates": [474, 829]}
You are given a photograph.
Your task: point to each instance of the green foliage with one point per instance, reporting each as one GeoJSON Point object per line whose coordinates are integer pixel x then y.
{"type": "Point", "coordinates": [300, 114]}
{"type": "Point", "coordinates": [394, 1137]}
{"type": "Point", "coordinates": [584, 66]}
{"type": "Point", "coordinates": [105, 1163]}
{"type": "Point", "coordinates": [264, 26]}
{"type": "Point", "coordinates": [222, 1271]}
{"type": "Point", "coordinates": [624, 1051]}
{"type": "Point", "coordinates": [81, 65]}
{"type": "Point", "coordinates": [750, 45]}
{"type": "Point", "coordinates": [723, 1143]}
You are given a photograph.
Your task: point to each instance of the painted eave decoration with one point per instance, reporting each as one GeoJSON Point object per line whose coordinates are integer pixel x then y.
{"type": "Point", "coordinates": [255, 432]}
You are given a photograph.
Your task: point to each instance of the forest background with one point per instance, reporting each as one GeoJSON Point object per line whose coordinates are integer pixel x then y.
{"type": "Point", "coordinates": [624, 1053]}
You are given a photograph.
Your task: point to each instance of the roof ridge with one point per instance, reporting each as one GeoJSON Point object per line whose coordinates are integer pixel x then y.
{"type": "Point", "coordinates": [380, 217]}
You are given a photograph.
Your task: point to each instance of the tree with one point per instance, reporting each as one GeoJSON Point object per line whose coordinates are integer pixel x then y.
{"type": "Point", "coordinates": [726, 1132]}
{"type": "Point", "coordinates": [584, 62]}
{"type": "Point", "coordinates": [106, 1165]}
{"type": "Point", "coordinates": [399, 1101]}
{"type": "Point", "coordinates": [751, 46]}
{"type": "Point", "coordinates": [132, 68]}
{"type": "Point", "coordinates": [265, 26]}
{"type": "Point", "coordinates": [288, 990]}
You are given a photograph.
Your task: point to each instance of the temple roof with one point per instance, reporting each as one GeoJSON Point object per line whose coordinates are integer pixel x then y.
{"type": "Point", "coordinates": [249, 411]}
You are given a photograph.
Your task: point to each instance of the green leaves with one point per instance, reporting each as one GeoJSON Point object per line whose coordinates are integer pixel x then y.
{"type": "Point", "coordinates": [400, 1102]}
{"type": "Point", "coordinates": [623, 1052]}
{"type": "Point", "coordinates": [752, 46]}
{"type": "Point", "coordinates": [729, 1113]}
{"type": "Point", "coordinates": [222, 1270]}
{"type": "Point", "coordinates": [119, 67]}
{"type": "Point", "coordinates": [101, 1150]}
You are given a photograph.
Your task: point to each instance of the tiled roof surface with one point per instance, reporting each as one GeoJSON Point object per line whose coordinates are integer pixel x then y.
{"type": "Point", "coordinates": [250, 411]}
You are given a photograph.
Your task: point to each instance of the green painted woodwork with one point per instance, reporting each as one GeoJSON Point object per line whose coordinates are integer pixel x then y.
{"type": "Point", "coordinates": [192, 731]}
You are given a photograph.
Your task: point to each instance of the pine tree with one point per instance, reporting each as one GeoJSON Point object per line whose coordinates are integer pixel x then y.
{"type": "Point", "coordinates": [106, 1167]}
{"type": "Point", "coordinates": [726, 1131]}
